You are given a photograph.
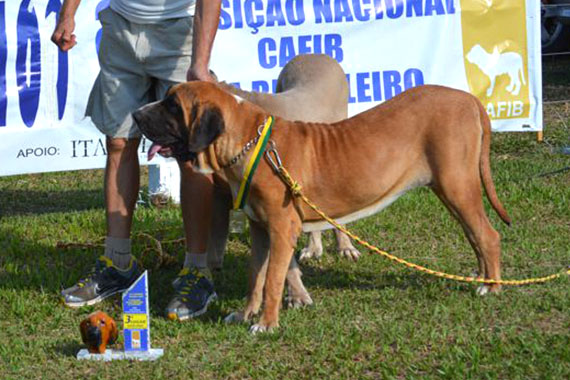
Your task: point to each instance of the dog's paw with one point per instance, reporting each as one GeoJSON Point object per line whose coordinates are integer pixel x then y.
{"type": "Point", "coordinates": [482, 290]}
{"type": "Point", "coordinates": [235, 317]}
{"type": "Point", "coordinates": [310, 252]}
{"type": "Point", "coordinates": [488, 289]}
{"type": "Point", "coordinates": [298, 301]}
{"type": "Point", "coordinates": [349, 253]}
{"type": "Point", "coordinates": [256, 329]}
{"type": "Point", "coordinates": [261, 328]}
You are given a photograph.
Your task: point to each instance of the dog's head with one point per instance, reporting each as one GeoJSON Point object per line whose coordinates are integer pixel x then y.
{"type": "Point", "coordinates": [186, 121]}
{"type": "Point", "coordinates": [475, 54]}
{"type": "Point", "coordinates": [97, 331]}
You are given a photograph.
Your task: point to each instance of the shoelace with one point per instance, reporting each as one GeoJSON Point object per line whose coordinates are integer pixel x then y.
{"type": "Point", "coordinates": [187, 281]}
{"type": "Point", "coordinates": [100, 266]}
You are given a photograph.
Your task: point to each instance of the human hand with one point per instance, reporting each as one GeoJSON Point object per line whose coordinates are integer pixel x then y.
{"type": "Point", "coordinates": [63, 34]}
{"type": "Point", "coordinates": [199, 73]}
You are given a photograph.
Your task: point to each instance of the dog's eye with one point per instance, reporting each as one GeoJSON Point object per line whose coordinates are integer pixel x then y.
{"type": "Point", "coordinates": [102, 323]}
{"type": "Point", "coordinates": [171, 104]}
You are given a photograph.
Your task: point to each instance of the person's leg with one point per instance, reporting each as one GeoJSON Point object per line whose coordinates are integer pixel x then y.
{"type": "Point", "coordinates": [117, 269]}
{"type": "Point", "coordinates": [121, 87]}
{"type": "Point", "coordinates": [194, 286]}
{"type": "Point", "coordinates": [121, 186]}
{"type": "Point", "coordinates": [168, 63]}
{"type": "Point", "coordinates": [196, 193]}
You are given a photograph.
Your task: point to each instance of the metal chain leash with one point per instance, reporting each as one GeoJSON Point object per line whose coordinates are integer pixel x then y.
{"type": "Point", "coordinates": [250, 144]}
{"type": "Point", "coordinates": [246, 148]}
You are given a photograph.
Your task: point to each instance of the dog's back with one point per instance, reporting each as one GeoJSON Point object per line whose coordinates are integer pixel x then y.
{"type": "Point", "coordinates": [311, 88]}
{"type": "Point", "coordinates": [420, 134]}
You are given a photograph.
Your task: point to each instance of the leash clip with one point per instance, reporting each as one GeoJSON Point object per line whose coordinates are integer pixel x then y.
{"type": "Point", "coordinates": [274, 161]}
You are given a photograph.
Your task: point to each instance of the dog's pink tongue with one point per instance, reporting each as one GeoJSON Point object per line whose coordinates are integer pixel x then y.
{"type": "Point", "coordinates": [154, 148]}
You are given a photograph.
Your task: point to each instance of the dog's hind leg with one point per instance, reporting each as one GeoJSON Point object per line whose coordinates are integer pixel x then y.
{"type": "Point", "coordinates": [345, 247]}
{"type": "Point", "coordinates": [297, 295]}
{"type": "Point", "coordinates": [466, 204]}
{"type": "Point", "coordinates": [314, 249]}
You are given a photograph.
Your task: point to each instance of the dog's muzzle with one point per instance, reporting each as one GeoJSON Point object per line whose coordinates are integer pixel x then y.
{"type": "Point", "coordinates": [93, 334]}
{"type": "Point", "coordinates": [178, 149]}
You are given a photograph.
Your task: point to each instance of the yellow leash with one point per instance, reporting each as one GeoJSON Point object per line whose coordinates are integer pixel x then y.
{"type": "Point", "coordinates": [296, 190]}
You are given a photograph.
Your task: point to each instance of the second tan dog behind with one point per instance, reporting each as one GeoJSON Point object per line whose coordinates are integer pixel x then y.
{"type": "Point", "coordinates": [427, 136]}
{"type": "Point", "coordinates": [310, 87]}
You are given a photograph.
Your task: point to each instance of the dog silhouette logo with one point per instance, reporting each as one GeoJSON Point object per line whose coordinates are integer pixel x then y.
{"type": "Point", "coordinates": [495, 64]}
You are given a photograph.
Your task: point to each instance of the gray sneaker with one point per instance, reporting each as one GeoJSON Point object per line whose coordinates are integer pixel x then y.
{"type": "Point", "coordinates": [193, 293]}
{"type": "Point", "coordinates": [102, 282]}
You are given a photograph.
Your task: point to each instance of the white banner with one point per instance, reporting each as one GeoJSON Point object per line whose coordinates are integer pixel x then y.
{"type": "Point", "coordinates": [488, 47]}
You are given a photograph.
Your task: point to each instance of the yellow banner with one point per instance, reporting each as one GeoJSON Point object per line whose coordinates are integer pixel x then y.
{"type": "Point", "coordinates": [135, 321]}
{"type": "Point", "coordinates": [496, 57]}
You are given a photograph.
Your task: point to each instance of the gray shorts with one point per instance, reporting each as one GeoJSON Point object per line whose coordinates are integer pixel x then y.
{"type": "Point", "coordinates": [138, 64]}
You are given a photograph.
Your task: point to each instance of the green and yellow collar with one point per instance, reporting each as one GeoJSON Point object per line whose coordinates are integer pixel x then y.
{"type": "Point", "coordinates": [264, 135]}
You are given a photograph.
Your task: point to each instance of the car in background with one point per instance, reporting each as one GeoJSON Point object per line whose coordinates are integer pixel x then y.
{"type": "Point", "coordinates": [555, 26]}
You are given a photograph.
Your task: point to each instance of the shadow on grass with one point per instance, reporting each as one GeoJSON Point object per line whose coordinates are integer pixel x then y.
{"type": "Point", "coordinates": [67, 347]}
{"type": "Point", "coordinates": [29, 264]}
{"type": "Point", "coordinates": [392, 278]}
{"type": "Point", "coordinates": [24, 202]}
{"type": "Point", "coordinates": [32, 265]}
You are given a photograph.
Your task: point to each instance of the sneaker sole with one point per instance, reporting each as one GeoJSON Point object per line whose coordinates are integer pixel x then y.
{"type": "Point", "coordinates": [176, 317]}
{"type": "Point", "coordinates": [75, 305]}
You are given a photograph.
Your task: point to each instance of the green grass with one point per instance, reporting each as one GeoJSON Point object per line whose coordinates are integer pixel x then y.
{"type": "Point", "coordinates": [371, 319]}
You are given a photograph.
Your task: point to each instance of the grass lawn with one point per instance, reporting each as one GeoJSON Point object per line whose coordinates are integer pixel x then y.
{"type": "Point", "coordinates": [371, 319]}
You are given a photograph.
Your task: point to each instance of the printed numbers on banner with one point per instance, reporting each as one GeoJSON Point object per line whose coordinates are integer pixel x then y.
{"type": "Point", "coordinates": [28, 65]}
{"type": "Point", "coordinates": [28, 68]}
{"type": "Point", "coordinates": [3, 61]}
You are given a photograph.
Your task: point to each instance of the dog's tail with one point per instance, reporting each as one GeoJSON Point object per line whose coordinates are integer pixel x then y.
{"type": "Point", "coordinates": [485, 166]}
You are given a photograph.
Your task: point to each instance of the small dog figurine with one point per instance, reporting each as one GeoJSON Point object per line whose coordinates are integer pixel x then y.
{"type": "Point", "coordinates": [98, 330]}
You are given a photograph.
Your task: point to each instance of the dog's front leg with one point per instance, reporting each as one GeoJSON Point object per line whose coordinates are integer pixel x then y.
{"type": "Point", "coordinates": [258, 270]}
{"type": "Point", "coordinates": [283, 233]}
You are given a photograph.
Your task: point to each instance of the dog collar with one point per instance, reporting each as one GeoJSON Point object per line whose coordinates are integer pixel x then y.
{"type": "Point", "coordinates": [239, 202]}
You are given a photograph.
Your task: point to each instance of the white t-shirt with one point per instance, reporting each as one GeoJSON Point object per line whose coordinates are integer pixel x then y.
{"type": "Point", "coordinates": [152, 11]}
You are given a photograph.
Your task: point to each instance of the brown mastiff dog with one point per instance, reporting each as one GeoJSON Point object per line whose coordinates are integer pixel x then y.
{"type": "Point", "coordinates": [427, 136]}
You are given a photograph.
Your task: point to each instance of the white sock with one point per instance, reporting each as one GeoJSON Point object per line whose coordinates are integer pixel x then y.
{"type": "Point", "coordinates": [197, 260]}
{"type": "Point", "coordinates": [119, 251]}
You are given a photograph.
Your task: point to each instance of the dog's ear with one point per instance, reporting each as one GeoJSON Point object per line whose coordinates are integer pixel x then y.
{"type": "Point", "coordinates": [83, 328]}
{"type": "Point", "coordinates": [205, 128]}
{"type": "Point", "coordinates": [113, 332]}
